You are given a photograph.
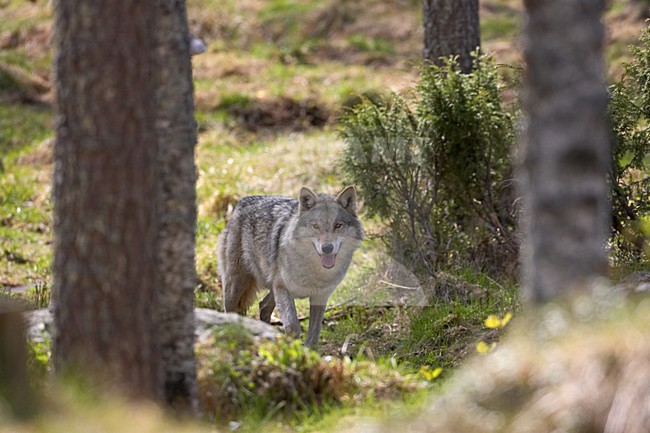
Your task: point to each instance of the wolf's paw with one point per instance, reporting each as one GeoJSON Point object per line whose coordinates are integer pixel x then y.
{"type": "Point", "coordinates": [293, 330]}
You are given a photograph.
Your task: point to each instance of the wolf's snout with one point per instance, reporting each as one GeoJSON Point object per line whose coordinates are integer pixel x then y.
{"type": "Point", "coordinates": [327, 248]}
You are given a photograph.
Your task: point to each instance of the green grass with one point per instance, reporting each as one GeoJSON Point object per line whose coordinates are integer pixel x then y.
{"type": "Point", "coordinates": [286, 11]}
{"type": "Point", "coordinates": [616, 8]}
{"type": "Point", "coordinates": [25, 205]}
{"type": "Point", "coordinates": [441, 334]}
{"type": "Point", "coordinates": [617, 53]}
{"type": "Point", "coordinates": [283, 20]}
{"type": "Point", "coordinates": [21, 128]}
{"type": "Point", "coordinates": [500, 27]}
{"type": "Point", "coordinates": [373, 45]}
{"type": "Point", "coordinates": [23, 14]}
{"type": "Point", "coordinates": [32, 63]}
{"type": "Point", "coordinates": [448, 330]}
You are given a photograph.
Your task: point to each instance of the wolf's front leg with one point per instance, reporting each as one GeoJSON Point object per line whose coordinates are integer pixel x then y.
{"type": "Point", "coordinates": [316, 313]}
{"type": "Point", "coordinates": [286, 307]}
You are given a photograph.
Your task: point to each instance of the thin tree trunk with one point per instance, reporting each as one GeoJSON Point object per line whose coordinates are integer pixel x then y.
{"type": "Point", "coordinates": [177, 205]}
{"type": "Point", "coordinates": [105, 184]}
{"type": "Point", "coordinates": [566, 151]}
{"type": "Point", "coordinates": [451, 27]}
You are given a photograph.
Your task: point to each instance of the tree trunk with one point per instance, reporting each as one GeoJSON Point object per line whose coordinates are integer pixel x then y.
{"type": "Point", "coordinates": [177, 205]}
{"type": "Point", "coordinates": [15, 391]}
{"type": "Point", "coordinates": [105, 185]}
{"type": "Point", "coordinates": [451, 27]}
{"type": "Point", "coordinates": [566, 150]}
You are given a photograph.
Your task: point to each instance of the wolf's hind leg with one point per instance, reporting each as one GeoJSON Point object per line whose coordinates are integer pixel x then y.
{"type": "Point", "coordinates": [266, 307]}
{"type": "Point", "coordinates": [238, 292]}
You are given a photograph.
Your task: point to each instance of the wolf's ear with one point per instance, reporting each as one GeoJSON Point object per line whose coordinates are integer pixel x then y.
{"type": "Point", "coordinates": [348, 199]}
{"type": "Point", "coordinates": [307, 198]}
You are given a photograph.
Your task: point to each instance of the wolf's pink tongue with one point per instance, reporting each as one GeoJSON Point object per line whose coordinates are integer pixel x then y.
{"type": "Point", "coordinates": [328, 260]}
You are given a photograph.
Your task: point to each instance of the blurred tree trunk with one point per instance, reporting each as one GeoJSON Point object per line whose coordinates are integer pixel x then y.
{"type": "Point", "coordinates": [105, 188]}
{"type": "Point", "coordinates": [566, 152]}
{"type": "Point", "coordinates": [15, 390]}
{"type": "Point", "coordinates": [177, 205]}
{"type": "Point", "coordinates": [451, 27]}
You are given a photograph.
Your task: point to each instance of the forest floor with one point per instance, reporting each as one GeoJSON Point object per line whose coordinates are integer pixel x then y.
{"type": "Point", "coordinates": [276, 76]}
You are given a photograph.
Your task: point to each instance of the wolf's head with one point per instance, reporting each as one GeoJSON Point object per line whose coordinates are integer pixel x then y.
{"type": "Point", "coordinates": [331, 224]}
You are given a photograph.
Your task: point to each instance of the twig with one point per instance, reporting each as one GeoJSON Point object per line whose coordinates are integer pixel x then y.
{"type": "Point", "coordinates": [399, 286]}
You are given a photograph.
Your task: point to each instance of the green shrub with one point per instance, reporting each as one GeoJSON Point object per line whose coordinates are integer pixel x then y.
{"type": "Point", "coordinates": [276, 377]}
{"type": "Point", "coordinates": [439, 173]}
{"type": "Point", "coordinates": [241, 378]}
{"type": "Point", "coordinates": [630, 176]}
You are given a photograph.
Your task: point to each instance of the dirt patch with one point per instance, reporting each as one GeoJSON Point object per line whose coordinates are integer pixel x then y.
{"type": "Point", "coordinates": [19, 84]}
{"type": "Point", "coordinates": [281, 114]}
{"type": "Point", "coordinates": [375, 34]}
{"type": "Point", "coordinates": [34, 40]}
{"type": "Point", "coordinates": [41, 156]}
{"type": "Point", "coordinates": [625, 25]}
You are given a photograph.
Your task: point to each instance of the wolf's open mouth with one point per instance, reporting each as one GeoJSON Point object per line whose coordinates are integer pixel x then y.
{"type": "Point", "coordinates": [328, 260]}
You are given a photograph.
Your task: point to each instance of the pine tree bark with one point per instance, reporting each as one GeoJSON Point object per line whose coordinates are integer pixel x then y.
{"type": "Point", "coordinates": [566, 150]}
{"type": "Point", "coordinates": [451, 27]}
{"type": "Point", "coordinates": [105, 188]}
{"type": "Point", "coordinates": [176, 129]}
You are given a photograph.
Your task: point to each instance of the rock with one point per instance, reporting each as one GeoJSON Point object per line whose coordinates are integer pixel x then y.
{"type": "Point", "coordinates": [636, 282]}
{"type": "Point", "coordinates": [206, 319]}
{"type": "Point", "coordinates": [39, 323]}
{"type": "Point", "coordinates": [197, 46]}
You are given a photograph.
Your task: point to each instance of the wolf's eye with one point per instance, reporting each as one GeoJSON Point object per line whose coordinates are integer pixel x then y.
{"type": "Point", "coordinates": [314, 225]}
{"type": "Point", "coordinates": [338, 225]}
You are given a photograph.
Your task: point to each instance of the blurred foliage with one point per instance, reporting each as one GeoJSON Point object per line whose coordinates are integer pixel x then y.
{"type": "Point", "coordinates": [582, 366]}
{"type": "Point", "coordinates": [440, 172]}
{"type": "Point", "coordinates": [630, 175]}
{"type": "Point", "coordinates": [80, 407]}
{"type": "Point", "coordinates": [38, 360]}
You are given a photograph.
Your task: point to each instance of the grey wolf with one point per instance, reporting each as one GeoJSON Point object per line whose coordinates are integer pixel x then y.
{"type": "Point", "coordinates": [295, 248]}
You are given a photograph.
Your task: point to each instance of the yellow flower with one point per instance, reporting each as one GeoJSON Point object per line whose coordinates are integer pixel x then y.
{"type": "Point", "coordinates": [483, 348]}
{"type": "Point", "coordinates": [428, 373]}
{"type": "Point", "coordinates": [493, 322]}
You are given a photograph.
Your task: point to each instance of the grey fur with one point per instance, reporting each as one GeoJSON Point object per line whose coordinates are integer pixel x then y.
{"type": "Point", "coordinates": [277, 243]}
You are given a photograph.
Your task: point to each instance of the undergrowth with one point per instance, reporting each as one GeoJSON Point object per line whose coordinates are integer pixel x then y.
{"type": "Point", "coordinates": [241, 379]}
{"type": "Point", "coordinates": [446, 333]}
